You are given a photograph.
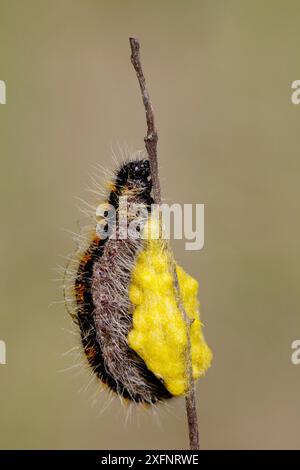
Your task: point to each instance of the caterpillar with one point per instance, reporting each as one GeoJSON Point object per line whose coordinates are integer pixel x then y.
{"type": "Point", "coordinates": [131, 331]}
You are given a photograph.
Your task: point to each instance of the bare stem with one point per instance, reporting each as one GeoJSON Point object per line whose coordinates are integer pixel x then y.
{"type": "Point", "coordinates": [151, 140]}
{"type": "Point", "coordinates": [151, 137]}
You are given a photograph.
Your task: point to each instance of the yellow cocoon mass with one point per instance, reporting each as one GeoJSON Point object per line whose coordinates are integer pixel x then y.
{"type": "Point", "coordinates": [159, 333]}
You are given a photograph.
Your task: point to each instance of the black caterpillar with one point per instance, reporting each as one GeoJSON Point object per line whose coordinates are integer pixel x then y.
{"type": "Point", "coordinates": [102, 304]}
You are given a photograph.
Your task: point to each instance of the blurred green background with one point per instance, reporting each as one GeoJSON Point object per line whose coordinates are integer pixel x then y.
{"type": "Point", "coordinates": [220, 75]}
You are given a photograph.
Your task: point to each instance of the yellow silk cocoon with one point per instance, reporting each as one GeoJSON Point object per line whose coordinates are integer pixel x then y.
{"type": "Point", "coordinates": [159, 333]}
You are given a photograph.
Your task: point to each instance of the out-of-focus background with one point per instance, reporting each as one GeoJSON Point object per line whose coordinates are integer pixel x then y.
{"type": "Point", "coordinates": [220, 77]}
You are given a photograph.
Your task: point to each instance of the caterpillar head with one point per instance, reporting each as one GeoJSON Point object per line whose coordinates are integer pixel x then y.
{"type": "Point", "coordinates": [134, 177]}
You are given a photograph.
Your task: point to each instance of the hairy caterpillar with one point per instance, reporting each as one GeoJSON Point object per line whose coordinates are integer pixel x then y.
{"type": "Point", "coordinates": [131, 331]}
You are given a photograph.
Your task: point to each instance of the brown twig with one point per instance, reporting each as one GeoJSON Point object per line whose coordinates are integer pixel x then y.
{"type": "Point", "coordinates": [151, 137]}
{"type": "Point", "coordinates": [151, 140]}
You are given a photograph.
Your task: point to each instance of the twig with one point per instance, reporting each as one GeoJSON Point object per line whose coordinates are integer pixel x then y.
{"type": "Point", "coordinates": [151, 137]}
{"type": "Point", "coordinates": [151, 140]}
